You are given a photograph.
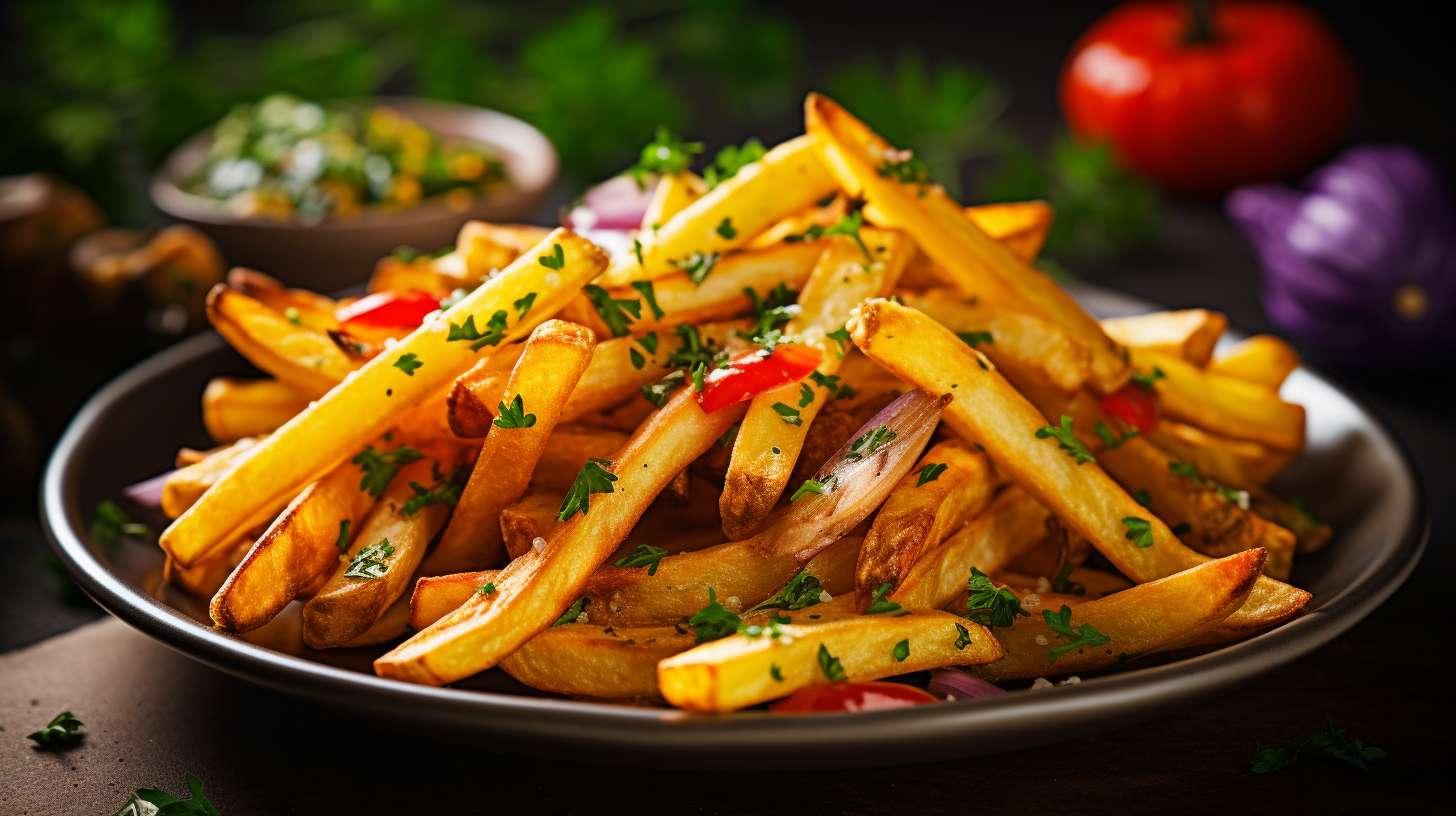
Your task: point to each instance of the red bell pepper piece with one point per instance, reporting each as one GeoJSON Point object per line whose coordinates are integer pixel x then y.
{"type": "Point", "coordinates": [838, 697]}
{"type": "Point", "coordinates": [1134, 404]}
{"type": "Point", "coordinates": [751, 374]}
{"type": "Point", "coordinates": [388, 310]}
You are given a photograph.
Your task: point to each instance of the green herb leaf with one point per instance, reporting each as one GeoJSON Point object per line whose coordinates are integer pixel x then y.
{"type": "Point", "coordinates": [1141, 496]}
{"type": "Point", "coordinates": [830, 665]}
{"type": "Point", "coordinates": [649, 296]}
{"type": "Point", "coordinates": [342, 542]}
{"type": "Point", "coordinates": [556, 260]}
{"type": "Point", "coordinates": [831, 384]}
{"type": "Point", "coordinates": [643, 556]}
{"type": "Point", "coordinates": [513, 414]}
{"type": "Point", "coordinates": [990, 605]}
{"type": "Point", "coordinates": [849, 226]}
{"type": "Point", "coordinates": [1067, 440]}
{"type": "Point", "coordinates": [110, 523]}
{"type": "Point", "coordinates": [877, 438]}
{"type": "Point", "coordinates": [1139, 531]}
{"type": "Point", "coordinates": [901, 651]}
{"type": "Point", "coordinates": [697, 265]}
{"type": "Point", "coordinates": [617, 313]}
{"type": "Point", "coordinates": [840, 336]}
{"type": "Point", "coordinates": [1111, 439]}
{"type": "Point", "coordinates": [714, 621]}
{"type": "Point", "coordinates": [574, 612]}
{"type": "Point", "coordinates": [657, 393]}
{"type": "Point", "coordinates": [593, 478]}
{"type": "Point", "coordinates": [664, 155]}
{"type": "Point", "coordinates": [698, 372]}
{"type": "Point", "coordinates": [806, 396]}
{"type": "Point", "coordinates": [730, 160]}
{"type": "Point", "coordinates": [1084, 635]}
{"type": "Point", "coordinates": [1063, 583]}
{"type": "Point", "coordinates": [408, 363]}
{"type": "Point", "coordinates": [487, 588]}
{"type": "Point", "coordinates": [803, 590]}
{"type": "Point", "coordinates": [788, 413]}
{"type": "Point", "coordinates": [370, 562]}
{"type": "Point", "coordinates": [64, 731]}
{"type": "Point", "coordinates": [813, 486]}
{"type": "Point", "coordinates": [524, 304]}
{"type": "Point", "coordinates": [1145, 381]}
{"type": "Point", "coordinates": [976, 338]}
{"type": "Point", "coordinates": [637, 359]}
{"type": "Point", "coordinates": [156, 802]}
{"type": "Point", "coordinates": [879, 604]}
{"type": "Point", "coordinates": [446, 491]}
{"type": "Point", "coordinates": [467, 332]}
{"type": "Point", "coordinates": [775, 672]}
{"type": "Point", "coordinates": [963, 637]}
{"type": "Point", "coordinates": [725, 229]}
{"type": "Point", "coordinates": [930, 473]}
{"type": "Point", "coordinates": [906, 170]}
{"type": "Point", "coordinates": [380, 467]}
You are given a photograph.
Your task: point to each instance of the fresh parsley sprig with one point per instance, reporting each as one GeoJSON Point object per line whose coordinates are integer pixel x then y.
{"type": "Point", "coordinates": [593, 478]}
{"type": "Point", "coordinates": [1067, 440]}
{"type": "Point", "coordinates": [371, 562]}
{"type": "Point", "coordinates": [730, 160]}
{"type": "Point", "coordinates": [513, 414]}
{"type": "Point", "coordinates": [157, 802]}
{"type": "Point", "coordinates": [1083, 636]}
{"type": "Point", "coordinates": [63, 732]}
{"type": "Point", "coordinates": [380, 467]}
{"type": "Point", "coordinates": [803, 590]}
{"type": "Point", "coordinates": [697, 265]}
{"type": "Point", "coordinates": [990, 605]}
{"type": "Point", "coordinates": [110, 523]}
{"type": "Point", "coordinates": [664, 155]}
{"type": "Point", "coordinates": [446, 491]}
{"type": "Point", "coordinates": [495, 331]}
{"type": "Point", "coordinates": [714, 621]}
{"type": "Point", "coordinates": [617, 314]}
{"type": "Point", "coordinates": [881, 605]}
{"type": "Point", "coordinates": [1110, 438]}
{"type": "Point", "coordinates": [408, 363]}
{"type": "Point", "coordinates": [644, 556]}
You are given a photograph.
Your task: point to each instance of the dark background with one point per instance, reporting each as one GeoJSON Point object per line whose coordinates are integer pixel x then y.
{"type": "Point", "coordinates": [1381, 680]}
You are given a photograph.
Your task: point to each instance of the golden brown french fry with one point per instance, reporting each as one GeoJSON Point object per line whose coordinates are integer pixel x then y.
{"type": "Point", "coordinates": [673, 193]}
{"type": "Point", "coordinates": [299, 551]}
{"type": "Point", "coordinates": [795, 227]}
{"type": "Point", "coordinates": [1310, 533]}
{"type": "Point", "coordinates": [1021, 226]}
{"type": "Point", "coordinates": [533, 516]}
{"type": "Point", "coordinates": [1234, 462]}
{"type": "Point", "coordinates": [425, 362]}
{"type": "Point", "coordinates": [567, 450]}
{"type": "Point", "coordinates": [186, 485]}
{"type": "Point", "coordinates": [1013, 523]}
{"type": "Point", "coordinates": [299, 306]}
{"type": "Point", "coordinates": [305, 358]}
{"type": "Point", "coordinates": [788, 178]}
{"type": "Point", "coordinates": [587, 660]}
{"type": "Point", "coordinates": [1020, 344]}
{"type": "Point", "coordinates": [535, 590]}
{"type": "Point", "coordinates": [233, 409]}
{"type": "Point", "coordinates": [739, 671]}
{"type": "Point", "coordinates": [767, 446]}
{"type": "Point", "coordinates": [376, 570]}
{"type": "Point", "coordinates": [391, 626]}
{"type": "Point", "coordinates": [988, 411]}
{"type": "Point", "coordinates": [1082, 583]}
{"type": "Point", "coordinates": [1223, 404]}
{"type": "Point", "coordinates": [1136, 621]}
{"type": "Point", "coordinates": [1263, 359]}
{"type": "Point", "coordinates": [949, 486]}
{"type": "Point", "coordinates": [979, 265]}
{"type": "Point", "coordinates": [625, 417]}
{"type": "Point", "coordinates": [1187, 333]}
{"type": "Point", "coordinates": [556, 354]}
{"type": "Point", "coordinates": [483, 247]}
{"type": "Point", "coordinates": [202, 579]}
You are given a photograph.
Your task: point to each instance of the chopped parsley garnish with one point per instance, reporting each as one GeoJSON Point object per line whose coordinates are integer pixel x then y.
{"type": "Point", "coordinates": [649, 296]}
{"type": "Point", "coordinates": [664, 155]}
{"type": "Point", "coordinates": [976, 338]}
{"type": "Point", "coordinates": [692, 350]}
{"type": "Point", "coordinates": [1084, 635]}
{"type": "Point", "coordinates": [697, 265]}
{"type": "Point", "coordinates": [446, 491]}
{"type": "Point", "coordinates": [1145, 381]}
{"type": "Point", "coordinates": [616, 313]}
{"type": "Point", "coordinates": [908, 170]}
{"type": "Point", "coordinates": [593, 478]}
{"type": "Point", "coordinates": [157, 802]}
{"type": "Point", "coordinates": [813, 486]}
{"type": "Point", "coordinates": [730, 160]}
{"type": "Point", "coordinates": [110, 522]}
{"type": "Point", "coordinates": [524, 304]}
{"type": "Point", "coordinates": [513, 414]}
{"type": "Point", "coordinates": [342, 542]}
{"type": "Point", "coordinates": [380, 467]}
{"type": "Point", "coordinates": [62, 732]}
{"type": "Point", "coordinates": [963, 637]}
{"type": "Point", "coordinates": [1064, 584]}
{"type": "Point", "coordinates": [1111, 439]}
{"type": "Point", "coordinates": [714, 621]}
{"type": "Point", "coordinates": [408, 363]}
{"type": "Point", "coordinates": [930, 473]}
{"type": "Point", "coordinates": [573, 612]}
{"type": "Point", "coordinates": [879, 604]}
{"type": "Point", "coordinates": [1139, 531]}
{"type": "Point", "coordinates": [1331, 744]}
{"type": "Point", "coordinates": [698, 372]}
{"type": "Point", "coordinates": [806, 396]}
{"type": "Point", "coordinates": [369, 563]}
{"type": "Point", "coordinates": [803, 590]}
{"type": "Point", "coordinates": [644, 556]}
{"type": "Point", "coordinates": [637, 250]}
{"type": "Point", "coordinates": [830, 665]}
{"type": "Point", "coordinates": [292, 315]}
{"type": "Point", "coordinates": [495, 331]}
{"type": "Point", "coordinates": [775, 672]}
{"type": "Point", "coordinates": [656, 393]}
{"type": "Point", "coordinates": [849, 226]}
{"type": "Point", "coordinates": [1067, 440]}
{"type": "Point", "coordinates": [556, 260]}
{"type": "Point", "coordinates": [1191, 472]}
{"type": "Point", "coordinates": [832, 384]}
{"type": "Point", "coordinates": [1141, 496]}
{"type": "Point", "coordinates": [725, 229]}
{"type": "Point", "coordinates": [990, 605]}
{"type": "Point", "coordinates": [901, 651]}
{"type": "Point", "coordinates": [840, 336]}
{"type": "Point", "coordinates": [788, 413]}
{"type": "Point", "coordinates": [877, 438]}
{"type": "Point", "coordinates": [487, 588]}
{"type": "Point", "coordinates": [771, 313]}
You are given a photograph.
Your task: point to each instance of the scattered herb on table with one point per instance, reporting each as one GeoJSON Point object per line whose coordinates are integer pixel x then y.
{"type": "Point", "coordinates": [63, 732]}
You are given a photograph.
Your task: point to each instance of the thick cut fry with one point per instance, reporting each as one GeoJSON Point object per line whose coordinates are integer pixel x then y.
{"type": "Point", "coordinates": [1189, 333]}
{"type": "Point", "coordinates": [300, 306]}
{"type": "Point", "coordinates": [556, 354]}
{"type": "Point", "coordinates": [1263, 359]}
{"type": "Point", "coordinates": [530, 518]}
{"type": "Point", "coordinates": [948, 487]}
{"type": "Point", "coordinates": [673, 193]}
{"type": "Point", "coordinates": [797, 227]}
{"type": "Point", "coordinates": [1021, 345]}
{"type": "Point", "coordinates": [1222, 404]}
{"type": "Point", "coordinates": [233, 409]}
{"type": "Point", "coordinates": [535, 590]}
{"type": "Point", "coordinates": [767, 448]}
{"type": "Point", "coordinates": [1083, 583]}
{"type": "Point", "coordinates": [1136, 621]}
{"type": "Point", "coordinates": [986, 410]}
{"type": "Point", "coordinates": [305, 358]}
{"type": "Point", "coordinates": [1234, 462]}
{"type": "Point", "coordinates": [739, 671]}
{"type": "Point", "coordinates": [425, 362]}
{"type": "Point", "coordinates": [567, 450]}
{"type": "Point", "coordinates": [186, 485]}
{"type": "Point", "coordinates": [1310, 533]}
{"type": "Point", "coordinates": [788, 178]}
{"type": "Point", "coordinates": [587, 660]}
{"type": "Point", "coordinates": [299, 551]}
{"type": "Point", "coordinates": [202, 579]}
{"type": "Point", "coordinates": [981, 266]}
{"type": "Point", "coordinates": [1021, 226]}
{"type": "Point", "coordinates": [1013, 523]}
{"type": "Point", "coordinates": [377, 568]}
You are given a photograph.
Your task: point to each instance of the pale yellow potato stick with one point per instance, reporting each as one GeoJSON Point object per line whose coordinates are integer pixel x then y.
{"type": "Point", "coordinates": [672, 195]}
{"type": "Point", "coordinates": [1222, 404]}
{"type": "Point", "coordinates": [305, 358]}
{"type": "Point", "coordinates": [233, 409]}
{"type": "Point", "coordinates": [330, 430]}
{"type": "Point", "coordinates": [1262, 359]}
{"type": "Point", "coordinates": [186, 485]}
{"type": "Point", "coordinates": [1187, 333]}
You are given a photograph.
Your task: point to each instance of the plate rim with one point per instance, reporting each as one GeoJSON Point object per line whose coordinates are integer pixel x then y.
{"type": "Point", "coordinates": [755, 738]}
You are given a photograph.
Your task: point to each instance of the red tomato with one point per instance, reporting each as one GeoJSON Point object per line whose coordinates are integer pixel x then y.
{"type": "Point", "coordinates": [1202, 103]}
{"type": "Point", "coordinates": [751, 374]}
{"type": "Point", "coordinates": [388, 310]}
{"type": "Point", "coordinates": [833, 697]}
{"type": "Point", "coordinates": [1135, 405]}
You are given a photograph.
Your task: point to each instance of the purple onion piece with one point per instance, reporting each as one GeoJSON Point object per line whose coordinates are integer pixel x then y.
{"type": "Point", "coordinates": [956, 684]}
{"type": "Point", "coordinates": [148, 493]}
{"type": "Point", "coordinates": [615, 204]}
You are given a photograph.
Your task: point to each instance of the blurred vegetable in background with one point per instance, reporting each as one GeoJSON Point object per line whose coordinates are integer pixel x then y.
{"type": "Point", "coordinates": [1202, 96]}
{"type": "Point", "coordinates": [1361, 264]}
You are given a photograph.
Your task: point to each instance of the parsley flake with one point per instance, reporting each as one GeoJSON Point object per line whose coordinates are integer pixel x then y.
{"type": "Point", "coordinates": [877, 438]}
{"type": "Point", "coordinates": [1139, 531]}
{"type": "Point", "coordinates": [1111, 439]}
{"type": "Point", "coordinates": [880, 605]}
{"type": "Point", "coordinates": [730, 160]}
{"type": "Point", "coordinates": [664, 155]}
{"type": "Point", "coordinates": [775, 672]}
{"type": "Point", "coordinates": [803, 590]}
{"type": "Point", "coordinates": [901, 651]}
{"type": "Point", "coordinates": [617, 313]}
{"type": "Point", "coordinates": [813, 486]}
{"type": "Point", "coordinates": [573, 612]}
{"type": "Point", "coordinates": [657, 393]}
{"type": "Point", "coordinates": [788, 413]}
{"type": "Point", "coordinates": [830, 665]}
{"type": "Point", "coordinates": [714, 621]}
{"type": "Point", "coordinates": [1067, 440]}
{"type": "Point", "coordinates": [840, 336]}
{"type": "Point", "coordinates": [697, 265]}
{"type": "Point", "coordinates": [408, 363]}
{"type": "Point", "coordinates": [963, 637]}
{"type": "Point", "coordinates": [806, 396]}
{"type": "Point", "coordinates": [380, 467]}
{"type": "Point", "coordinates": [513, 414]}
{"type": "Point", "coordinates": [1145, 381]}
{"type": "Point", "coordinates": [343, 540]}
{"type": "Point", "coordinates": [990, 605]}
{"type": "Point", "coordinates": [725, 229]}
{"type": "Point", "coordinates": [907, 170]}
{"type": "Point", "coordinates": [157, 802]}
{"type": "Point", "coordinates": [487, 588]}
{"type": "Point", "coordinates": [976, 338]}
{"type": "Point", "coordinates": [649, 296]}
{"type": "Point", "coordinates": [556, 260]}
{"type": "Point", "coordinates": [644, 556]}
{"type": "Point", "coordinates": [1064, 584]}
{"type": "Point", "coordinates": [593, 478]}
{"type": "Point", "coordinates": [370, 562]}
{"type": "Point", "coordinates": [524, 304]}
{"type": "Point", "coordinates": [832, 385]}
{"type": "Point", "coordinates": [848, 226]}
{"type": "Point", "coordinates": [446, 491]}
{"type": "Point", "coordinates": [110, 522]}
{"type": "Point", "coordinates": [1084, 635]}
{"type": "Point", "coordinates": [930, 473]}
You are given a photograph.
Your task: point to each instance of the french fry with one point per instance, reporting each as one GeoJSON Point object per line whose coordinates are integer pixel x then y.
{"type": "Point", "coordinates": [305, 358]}
{"type": "Point", "coordinates": [948, 487]}
{"type": "Point", "coordinates": [391, 626]}
{"type": "Point", "coordinates": [202, 579]}
{"type": "Point", "coordinates": [1083, 583]}
{"type": "Point", "coordinates": [739, 671]}
{"type": "Point", "coordinates": [482, 247]}
{"type": "Point", "coordinates": [326, 432]}
{"type": "Point", "coordinates": [1146, 618]}
{"type": "Point", "coordinates": [298, 552]}
{"type": "Point", "coordinates": [1188, 333]}
{"type": "Point", "coordinates": [531, 517]}
{"type": "Point", "coordinates": [186, 485]}
{"type": "Point", "coordinates": [299, 306]}
{"type": "Point", "coordinates": [795, 227]}
{"type": "Point", "coordinates": [1021, 226]}
{"type": "Point", "coordinates": [1310, 533]}
{"type": "Point", "coordinates": [535, 590]}
{"type": "Point", "coordinates": [567, 449]}
{"type": "Point", "coordinates": [556, 354]}
{"type": "Point", "coordinates": [376, 570]}
{"type": "Point", "coordinates": [1223, 404]}
{"type": "Point", "coordinates": [767, 448]}
{"type": "Point", "coordinates": [1234, 462]}
{"type": "Point", "coordinates": [587, 660]}
{"type": "Point", "coordinates": [673, 193]}
{"type": "Point", "coordinates": [233, 409]}
{"type": "Point", "coordinates": [625, 417]}
{"type": "Point", "coordinates": [979, 265]}
{"type": "Point", "coordinates": [986, 410]}
{"type": "Point", "coordinates": [788, 178]}
{"type": "Point", "coordinates": [1262, 359]}
{"type": "Point", "coordinates": [412, 274]}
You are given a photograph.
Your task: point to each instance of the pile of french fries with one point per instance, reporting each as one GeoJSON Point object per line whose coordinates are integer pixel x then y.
{"type": "Point", "coordinates": [528, 481]}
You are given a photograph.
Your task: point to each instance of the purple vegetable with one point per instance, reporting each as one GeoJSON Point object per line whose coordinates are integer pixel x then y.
{"type": "Point", "coordinates": [1362, 264]}
{"type": "Point", "coordinates": [957, 684]}
{"type": "Point", "coordinates": [148, 494]}
{"type": "Point", "coordinates": [615, 204]}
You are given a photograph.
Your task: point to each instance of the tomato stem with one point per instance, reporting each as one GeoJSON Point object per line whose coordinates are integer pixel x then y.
{"type": "Point", "coordinates": [1200, 23]}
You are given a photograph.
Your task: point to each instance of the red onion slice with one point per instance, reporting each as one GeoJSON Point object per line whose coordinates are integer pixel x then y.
{"type": "Point", "coordinates": [955, 684]}
{"type": "Point", "coordinates": [615, 204]}
{"type": "Point", "coordinates": [148, 493]}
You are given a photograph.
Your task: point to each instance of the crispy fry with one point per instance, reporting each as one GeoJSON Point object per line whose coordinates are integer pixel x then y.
{"type": "Point", "coordinates": [533, 516]}
{"type": "Point", "coordinates": [202, 579]}
{"type": "Point", "coordinates": [305, 358]}
{"type": "Point", "coordinates": [587, 660]}
{"type": "Point", "coordinates": [980, 265]}
{"type": "Point", "coordinates": [1136, 621]}
{"type": "Point", "coordinates": [1222, 404]}
{"type": "Point", "coordinates": [1234, 462]}
{"type": "Point", "coordinates": [1189, 333]}
{"type": "Point", "coordinates": [328, 430]}
{"type": "Point", "coordinates": [1021, 226]}
{"type": "Point", "coordinates": [186, 485]}
{"type": "Point", "coordinates": [556, 354]}
{"type": "Point", "coordinates": [535, 590]}
{"type": "Point", "coordinates": [1262, 359]}
{"type": "Point", "coordinates": [1084, 583]}
{"type": "Point", "coordinates": [299, 306]}
{"type": "Point", "coordinates": [988, 411]}
{"type": "Point", "coordinates": [1310, 533]}
{"type": "Point", "coordinates": [567, 449]}
{"type": "Point", "coordinates": [796, 226]}
{"type": "Point", "coordinates": [233, 409]}
{"type": "Point", "coordinates": [671, 196]}
{"type": "Point", "coordinates": [738, 671]}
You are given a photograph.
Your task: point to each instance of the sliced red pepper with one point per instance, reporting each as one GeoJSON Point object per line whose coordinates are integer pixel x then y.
{"type": "Point", "coordinates": [388, 310]}
{"type": "Point", "coordinates": [838, 697]}
{"type": "Point", "coordinates": [753, 373]}
{"type": "Point", "coordinates": [1134, 404]}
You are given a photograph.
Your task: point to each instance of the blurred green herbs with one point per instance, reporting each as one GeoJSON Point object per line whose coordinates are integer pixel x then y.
{"type": "Point", "coordinates": [112, 85]}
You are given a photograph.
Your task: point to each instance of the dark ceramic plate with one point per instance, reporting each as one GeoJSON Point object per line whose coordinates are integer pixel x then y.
{"type": "Point", "coordinates": [1354, 474]}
